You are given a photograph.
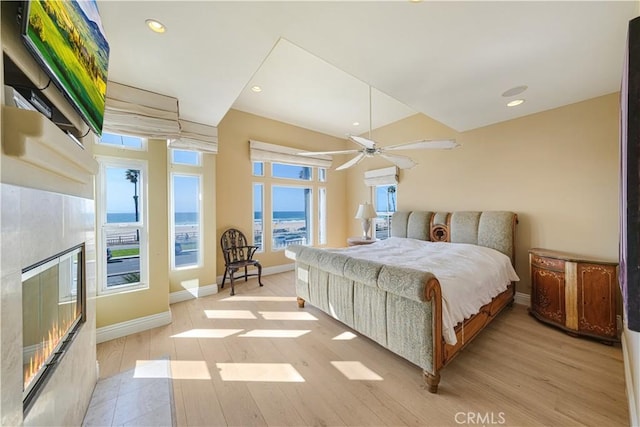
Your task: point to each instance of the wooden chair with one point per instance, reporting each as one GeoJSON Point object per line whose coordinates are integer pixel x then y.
{"type": "Point", "coordinates": [238, 254]}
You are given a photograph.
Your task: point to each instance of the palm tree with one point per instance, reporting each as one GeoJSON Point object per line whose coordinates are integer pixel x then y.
{"type": "Point", "coordinates": [132, 176]}
{"type": "Point", "coordinates": [391, 206]}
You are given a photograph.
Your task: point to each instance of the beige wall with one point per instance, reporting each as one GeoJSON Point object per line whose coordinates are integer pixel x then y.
{"type": "Point", "coordinates": [234, 177]}
{"type": "Point", "coordinates": [558, 170]}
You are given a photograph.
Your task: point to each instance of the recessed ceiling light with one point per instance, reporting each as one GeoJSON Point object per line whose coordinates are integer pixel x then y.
{"type": "Point", "coordinates": [256, 89]}
{"type": "Point", "coordinates": [156, 26]}
{"type": "Point", "coordinates": [515, 90]}
{"type": "Point", "coordinates": [356, 123]}
{"type": "Point", "coordinates": [515, 102]}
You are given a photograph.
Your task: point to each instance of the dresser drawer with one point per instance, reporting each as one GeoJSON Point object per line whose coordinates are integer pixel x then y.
{"type": "Point", "coordinates": [547, 263]}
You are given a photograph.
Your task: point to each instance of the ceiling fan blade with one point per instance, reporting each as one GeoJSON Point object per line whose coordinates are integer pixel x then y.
{"type": "Point", "coordinates": [402, 162]}
{"type": "Point", "coordinates": [316, 153]}
{"type": "Point", "coordinates": [440, 144]}
{"type": "Point", "coordinates": [365, 142]}
{"type": "Point", "coordinates": [351, 162]}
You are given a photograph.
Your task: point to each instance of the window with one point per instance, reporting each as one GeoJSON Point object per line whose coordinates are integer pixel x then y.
{"type": "Point", "coordinates": [282, 170]}
{"type": "Point", "coordinates": [186, 221]}
{"type": "Point", "coordinates": [122, 212]}
{"type": "Point", "coordinates": [291, 216]}
{"type": "Point", "coordinates": [258, 169]}
{"type": "Point", "coordinates": [322, 175]}
{"type": "Point", "coordinates": [258, 217]}
{"type": "Point", "coordinates": [185, 157]}
{"type": "Point", "coordinates": [122, 141]}
{"type": "Point", "coordinates": [322, 216]}
{"type": "Point", "coordinates": [385, 204]}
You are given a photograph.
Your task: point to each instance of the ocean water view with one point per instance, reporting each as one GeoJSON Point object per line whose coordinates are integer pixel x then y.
{"type": "Point", "coordinates": [181, 218]}
{"type": "Point", "coordinates": [283, 215]}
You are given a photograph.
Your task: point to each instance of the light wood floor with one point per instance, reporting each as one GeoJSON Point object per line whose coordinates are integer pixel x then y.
{"type": "Point", "coordinates": [518, 371]}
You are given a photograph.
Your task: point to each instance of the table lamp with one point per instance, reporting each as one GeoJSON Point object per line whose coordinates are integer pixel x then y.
{"type": "Point", "coordinates": [366, 213]}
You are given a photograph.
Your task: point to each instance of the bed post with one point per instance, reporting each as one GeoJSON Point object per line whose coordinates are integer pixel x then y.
{"type": "Point", "coordinates": [432, 381]}
{"type": "Point", "coordinates": [433, 293]}
{"type": "Point", "coordinates": [300, 302]}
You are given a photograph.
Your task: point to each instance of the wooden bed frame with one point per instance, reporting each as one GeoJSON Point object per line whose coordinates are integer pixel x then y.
{"type": "Point", "coordinates": [466, 331]}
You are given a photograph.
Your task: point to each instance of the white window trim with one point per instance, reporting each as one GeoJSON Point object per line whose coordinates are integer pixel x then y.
{"type": "Point", "coordinates": [103, 227]}
{"type": "Point", "coordinates": [172, 224]}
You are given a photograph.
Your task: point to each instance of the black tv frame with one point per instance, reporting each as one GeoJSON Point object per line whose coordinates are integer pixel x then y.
{"type": "Point", "coordinates": [629, 276]}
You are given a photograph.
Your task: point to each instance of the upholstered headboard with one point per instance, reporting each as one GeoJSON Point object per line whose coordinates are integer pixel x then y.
{"type": "Point", "coordinates": [493, 229]}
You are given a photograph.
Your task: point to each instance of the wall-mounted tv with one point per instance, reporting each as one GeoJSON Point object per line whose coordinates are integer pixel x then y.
{"type": "Point", "coordinates": [68, 41]}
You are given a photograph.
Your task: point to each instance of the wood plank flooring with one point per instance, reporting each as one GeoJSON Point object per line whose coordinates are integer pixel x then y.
{"type": "Point", "coordinates": [256, 359]}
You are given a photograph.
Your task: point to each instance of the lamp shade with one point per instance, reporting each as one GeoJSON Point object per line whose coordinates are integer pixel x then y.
{"type": "Point", "coordinates": [365, 211]}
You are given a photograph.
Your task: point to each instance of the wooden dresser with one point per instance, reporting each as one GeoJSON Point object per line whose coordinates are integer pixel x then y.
{"type": "Point", "coordinates": [574, 294]}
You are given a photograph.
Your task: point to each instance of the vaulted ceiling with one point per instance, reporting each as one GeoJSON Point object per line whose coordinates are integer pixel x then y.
{"type": "Point", "coordinates": [314, 61]}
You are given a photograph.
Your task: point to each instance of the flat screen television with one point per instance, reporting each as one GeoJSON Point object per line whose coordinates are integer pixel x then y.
{"type": "Point", "coordinates": [68, 41]}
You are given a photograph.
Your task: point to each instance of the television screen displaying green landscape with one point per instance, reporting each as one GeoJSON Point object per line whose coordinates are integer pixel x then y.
{"type": "Point", "coordinates": [67, 38]}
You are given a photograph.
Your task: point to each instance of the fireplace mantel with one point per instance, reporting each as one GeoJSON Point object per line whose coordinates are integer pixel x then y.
{"type": "Point", "coordinates": [38, 154]}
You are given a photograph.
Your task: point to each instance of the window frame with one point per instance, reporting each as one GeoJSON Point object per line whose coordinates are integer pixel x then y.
{"type": "Point", "coordinates": [143, 142]}
{"type": "Point", "coordinates": [309, 232]}
{"type": "Point", "coordinates": [261, 247]}
{"type": "Point", "coordinates": [312, 175]}
{"type": "Point", "coordinates": [172, 224]}
{"type": "Point", "coordinates": [173, 162]}
{"type": "Point", "coordinates": [384, 215]}
{"type": "Point", "coordinates": [104, 227]}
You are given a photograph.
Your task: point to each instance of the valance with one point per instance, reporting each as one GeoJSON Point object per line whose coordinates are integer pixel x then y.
{"type": "Point", "coordinates": [264, 152]}
{"type": "Point", "coordinates": [384, 176]}
{"type": "Point", "coordinates": [137, 112]}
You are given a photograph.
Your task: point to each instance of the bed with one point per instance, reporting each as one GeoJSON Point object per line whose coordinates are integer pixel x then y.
{"type": "Point", "coordinates": [425, 292]}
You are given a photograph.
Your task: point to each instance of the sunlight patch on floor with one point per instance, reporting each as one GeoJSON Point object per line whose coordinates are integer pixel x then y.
{"type": "Point", "coordinates": [275, 333]}
{"type": "Point", "coordinates": [207, 333]}
{"type": "Point", "coordinates": [287, 315]}
{"type": "Point", "coordinates": [345, 336]}
{"type": "Point", "coordinates": [189, 370]}
{"type": "Point", "coordinates": [259, 372]}
{"type": "Point", "coordinates": [152, 369]}
{"type": "Point", "coordinates": [256, 298]}
{"type": "Point", "coordinates": [355, 370]}
{"type": "Point", "coordinates": [230, 314]}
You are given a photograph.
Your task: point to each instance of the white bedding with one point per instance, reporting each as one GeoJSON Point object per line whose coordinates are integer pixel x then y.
{"type": "Point", "coordinates": [469, 275]}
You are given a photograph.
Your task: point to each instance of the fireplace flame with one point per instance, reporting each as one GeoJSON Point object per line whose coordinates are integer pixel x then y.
{"type": "Point", "coordinates": [45, 350]}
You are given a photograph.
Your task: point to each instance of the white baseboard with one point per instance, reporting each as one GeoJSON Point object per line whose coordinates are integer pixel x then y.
{"type": "Point", "coordinates": [187, 294]}
{"type": "Point", "coordinates": [628, 379]}
{"type": "Point", "coordinates": [522, 299]}
{"type": "Point", "coordinates": [134, 326]}
{"type": "Point", "coordinates": [266, 271]}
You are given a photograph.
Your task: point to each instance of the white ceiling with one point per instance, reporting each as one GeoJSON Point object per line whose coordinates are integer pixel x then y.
{"type": "Point", "coordinates": [314, 60]}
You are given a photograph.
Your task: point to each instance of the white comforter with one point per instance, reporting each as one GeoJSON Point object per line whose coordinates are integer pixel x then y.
{"type": "Point", "coordinates": [469, 275]}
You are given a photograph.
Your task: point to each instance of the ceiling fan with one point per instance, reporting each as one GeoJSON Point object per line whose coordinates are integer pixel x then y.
{"type": "Point", "coordinates": [369, 148]}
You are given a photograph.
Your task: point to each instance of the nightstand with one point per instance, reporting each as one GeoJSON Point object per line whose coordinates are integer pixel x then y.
{"type": "Point", "coordinates": [356, 241]}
